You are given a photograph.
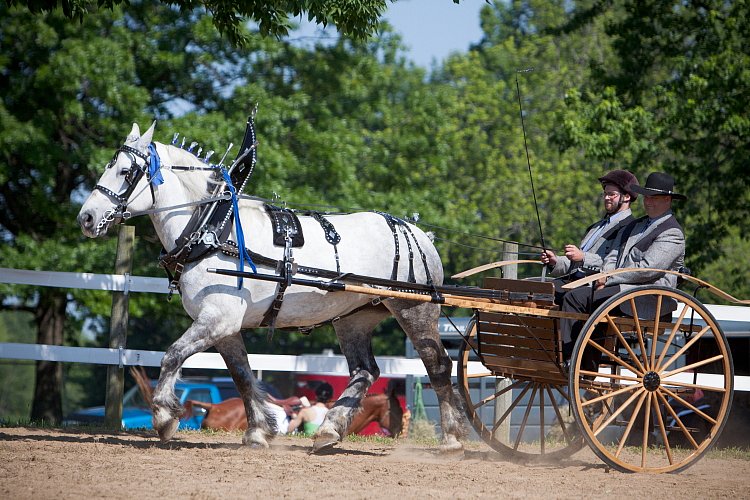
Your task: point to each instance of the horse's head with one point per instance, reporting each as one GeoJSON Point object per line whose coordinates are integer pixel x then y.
{"type": "Point", "coordinates": [123, 187]}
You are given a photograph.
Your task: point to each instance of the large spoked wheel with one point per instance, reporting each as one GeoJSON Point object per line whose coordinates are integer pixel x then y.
{"type": "Point", "coordinates": [651, 378]}
{"type": "Point", "coordinates": [542, 427]}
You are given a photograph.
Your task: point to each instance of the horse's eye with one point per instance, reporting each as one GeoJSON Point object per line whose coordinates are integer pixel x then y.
{"type": "Point", "coordinates": [125, 172]}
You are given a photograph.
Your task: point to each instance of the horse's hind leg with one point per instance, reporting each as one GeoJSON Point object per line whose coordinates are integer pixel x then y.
{"type": "Point", "coordinates": [260, 425]}
{"type": "Point", "coordinates": [419, 321]}
{"type": "Point", "coordinates": [354, 333]}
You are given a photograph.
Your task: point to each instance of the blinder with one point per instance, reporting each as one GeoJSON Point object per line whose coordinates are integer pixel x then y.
{"type": "Point", "coordinates": [132, 178]}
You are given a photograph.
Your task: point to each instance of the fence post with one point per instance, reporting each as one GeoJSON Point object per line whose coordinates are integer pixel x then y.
{"type": "Point", "coordinates": [503, 402]}
{"type": "Point", "coordinates": [118, 329]}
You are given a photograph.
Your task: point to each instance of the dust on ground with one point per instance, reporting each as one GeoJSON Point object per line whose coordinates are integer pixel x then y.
{"type": "Point", "coordinates": [63, 463]}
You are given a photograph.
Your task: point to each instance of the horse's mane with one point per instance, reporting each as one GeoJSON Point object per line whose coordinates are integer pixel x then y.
{"type": "Point", "coordinates": [198, 183]}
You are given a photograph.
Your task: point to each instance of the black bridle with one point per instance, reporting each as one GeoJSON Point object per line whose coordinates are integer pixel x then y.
{"type": "Point", "coordinates": [132, 178]}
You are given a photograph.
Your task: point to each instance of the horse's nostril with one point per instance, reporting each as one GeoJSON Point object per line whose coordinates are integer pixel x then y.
{"type": "Point", "coordinates": [85, 220]}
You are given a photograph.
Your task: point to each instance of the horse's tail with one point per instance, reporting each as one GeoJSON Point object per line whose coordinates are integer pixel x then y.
{"type": "Point", "coordinates": [188, 408]}
{"type": "Point", "coordinates": [143, 383]}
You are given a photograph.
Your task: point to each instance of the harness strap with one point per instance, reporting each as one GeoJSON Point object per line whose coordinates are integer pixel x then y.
{"type": "Point", "coordinates": [410, 278]}
{"type": "Point", "coordinates": [332, 236]}
{"type": "Point", "coordinates": [421, 254]}
{"type": "Point", "coordinates": [208, 226]}
{"type": "Point", "coordinates": [286, 270]}
{"type": "Point", "coordinates": [391, 220]}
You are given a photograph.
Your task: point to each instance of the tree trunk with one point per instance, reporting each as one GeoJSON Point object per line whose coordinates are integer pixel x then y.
{"type": "Point", "coordinates": [50, 321]}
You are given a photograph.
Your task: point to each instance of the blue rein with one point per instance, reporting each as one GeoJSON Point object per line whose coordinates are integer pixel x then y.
{"type": "Point", "coordinates": [238, 229]}
{"type": "Point", "coordinates": [154, 172]}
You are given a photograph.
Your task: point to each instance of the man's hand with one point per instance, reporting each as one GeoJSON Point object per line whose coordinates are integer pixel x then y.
{"type": "Point", "coordinates": [573, 253]}
{"type": "Point", "coordinates": [548, 257]}
{"type": "Point", "coordinates": [600, 283]}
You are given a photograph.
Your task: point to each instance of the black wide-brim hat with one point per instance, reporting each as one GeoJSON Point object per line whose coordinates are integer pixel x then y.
{"type": "Point", "coordinates": [658, 183]}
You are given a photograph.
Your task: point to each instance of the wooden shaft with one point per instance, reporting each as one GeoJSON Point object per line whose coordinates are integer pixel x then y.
{"type": "Point", "coordinates": [457, 301]}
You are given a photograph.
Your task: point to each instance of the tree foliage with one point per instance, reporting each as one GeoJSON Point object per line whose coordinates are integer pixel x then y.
{"type": "Point", "coordinates": [355, 18]}
{"type": "Point", "coordinates": [673, 96]}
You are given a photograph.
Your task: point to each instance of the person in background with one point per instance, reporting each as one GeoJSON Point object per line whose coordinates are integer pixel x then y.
{"type": "Point", "coordinates": [310, 418]}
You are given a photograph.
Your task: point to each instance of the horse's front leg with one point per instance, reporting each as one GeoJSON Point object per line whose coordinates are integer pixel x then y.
{"type": "Point", "coordinates": [354, 333]}
{"type": "Point", "coordinates": [261, 426]}
{"type": "Point", "coordinates": [420, 324]}
{"type": "Point", "coordinates": [166, 407]}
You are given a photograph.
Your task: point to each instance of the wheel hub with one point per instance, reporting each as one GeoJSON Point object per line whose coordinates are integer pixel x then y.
{"type": "Point", "coordinates": [651, 381]}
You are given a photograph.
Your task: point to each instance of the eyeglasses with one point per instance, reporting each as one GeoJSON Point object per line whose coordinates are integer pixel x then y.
{"type": "Point", "coordinates": [610, 194]}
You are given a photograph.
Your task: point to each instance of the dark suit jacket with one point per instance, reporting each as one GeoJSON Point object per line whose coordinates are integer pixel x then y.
{"type": "Point", "coordinates": [594, 256]}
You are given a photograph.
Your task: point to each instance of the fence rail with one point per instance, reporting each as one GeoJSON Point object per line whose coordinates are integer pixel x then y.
{"type": "Point", "coordinates": [323, 364]}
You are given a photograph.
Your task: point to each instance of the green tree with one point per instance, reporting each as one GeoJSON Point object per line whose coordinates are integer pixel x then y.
{"type": "Point", "coordinates": [67, 93]}
{"type": "Point", "coordinates": [673, 98]}
{"type": "Point", "coordinates": [354, 18]}
{"type": "Point", "coordinates": [61, 97]}
{"type": "Point", "coordinates": [490, 181]}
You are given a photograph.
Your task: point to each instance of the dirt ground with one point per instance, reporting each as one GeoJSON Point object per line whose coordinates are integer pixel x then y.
{"type": "Point", "coordinates": [59, 464]}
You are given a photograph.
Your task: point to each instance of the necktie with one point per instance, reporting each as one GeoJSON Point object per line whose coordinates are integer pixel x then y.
{"type": "Point", "coordinates": [595, 235]}
{"type": "Point", "coordinates": [645, 227]}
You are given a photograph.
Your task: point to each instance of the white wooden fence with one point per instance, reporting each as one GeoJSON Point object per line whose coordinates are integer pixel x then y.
{"type": "Point", "coordinates": [321, 364]}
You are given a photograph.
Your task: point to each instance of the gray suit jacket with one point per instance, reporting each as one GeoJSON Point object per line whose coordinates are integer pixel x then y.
{"type": "Point", "coordinates": [660, 246]}
{"type": "Point", "coordinates": [594, 256]}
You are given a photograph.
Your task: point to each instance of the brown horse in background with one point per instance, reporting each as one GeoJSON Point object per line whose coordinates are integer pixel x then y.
{"type": "Point", "coordinates": [381, 408]}
{"type": "Point", "coordinates": [229, 415]}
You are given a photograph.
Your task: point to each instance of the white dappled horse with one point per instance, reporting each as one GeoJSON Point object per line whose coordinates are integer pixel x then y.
{"type": "Point", "coordinates": [220, 310]}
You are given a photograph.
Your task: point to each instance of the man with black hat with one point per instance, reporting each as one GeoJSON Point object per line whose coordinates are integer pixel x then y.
{"type": "Point", "coordinates": [654, 241]}
{"type": "Point", "coordinates": [599, 237]}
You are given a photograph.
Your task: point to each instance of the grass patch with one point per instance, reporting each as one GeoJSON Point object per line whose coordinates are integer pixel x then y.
{"type": "Point", "coordinates": [384, 440]}
{"type": "Point", "coordinates": [27, 422]}
{"type": "Point", "coordinates": [730, 452]}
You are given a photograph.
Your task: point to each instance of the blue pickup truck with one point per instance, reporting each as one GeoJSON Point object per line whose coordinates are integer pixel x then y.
{"type": "Point", "coordinates": [137, 415]}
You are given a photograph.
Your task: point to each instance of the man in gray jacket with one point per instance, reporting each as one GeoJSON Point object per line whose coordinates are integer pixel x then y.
{"type": "Point", "coordinates": [654, 241]}
{"type": "Point", "coordinates": [599, 237]}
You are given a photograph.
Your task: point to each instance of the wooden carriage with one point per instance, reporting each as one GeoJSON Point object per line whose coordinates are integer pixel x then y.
{"type": "Point", "coordinates": [648, 386]}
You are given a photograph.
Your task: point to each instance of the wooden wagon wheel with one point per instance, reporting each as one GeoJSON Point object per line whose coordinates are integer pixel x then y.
{"type": "Point", "coordinates": [651, 376]}
{"type": "Point", "coordinates": [559, 436]}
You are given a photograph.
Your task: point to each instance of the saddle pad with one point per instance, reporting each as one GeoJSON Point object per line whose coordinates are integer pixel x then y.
{"type": "Point", "coordinates": [281, 218]}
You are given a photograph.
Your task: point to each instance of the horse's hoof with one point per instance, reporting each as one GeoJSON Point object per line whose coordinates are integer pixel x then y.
{"type": "Point", "coordinates": [451, 446]}
{"type": "Point", "coordinates": [166, 433]}
{"type": "Point", "coordinates": [255, 439]}
{"type": "Point", "coordinates": [324, 442]}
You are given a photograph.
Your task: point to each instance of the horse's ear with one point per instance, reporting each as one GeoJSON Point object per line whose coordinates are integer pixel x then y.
{"type": "Point", "coordinates": [146, 138]}
{"type": "Point", "coordinates": [134, 134]}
